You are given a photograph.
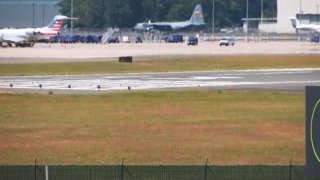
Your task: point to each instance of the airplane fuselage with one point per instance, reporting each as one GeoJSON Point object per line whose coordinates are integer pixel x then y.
{"type": "Point", "coordinates": [19, 37]}
{"type": "Point", "coordinates": [163, 26]}
{"type": "Point", "coordinates": [196, 21]}
{"type": "Point", "coordinates": [28, 36]}
{"type": "Point", "coordinates": [304, 27]}
{"type": "Point", "coordinates": [168, 26]}
{"type": "Point", "coordinates": [308, 27]}
{"type": "Point", "coordinates": [25, 37]}
{"type": "Point", "coordinates": [16, 33]}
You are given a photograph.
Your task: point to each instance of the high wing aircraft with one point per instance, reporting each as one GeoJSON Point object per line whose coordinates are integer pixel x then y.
{"type": "Point", "coordinates": [304, 27]}
{"type": "Point", "coordinates": [27, 37]}
{"type": "Point", "coordinates": [195, 22]}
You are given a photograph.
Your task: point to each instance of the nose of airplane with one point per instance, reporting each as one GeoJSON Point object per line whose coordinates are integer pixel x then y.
{"type": "Point", "coordinates": [136, 27]}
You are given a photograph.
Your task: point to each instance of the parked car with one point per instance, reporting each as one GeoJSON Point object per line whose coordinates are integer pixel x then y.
{"type": "Point", "coordinates": [314, 39]}
{"type": "Point", "coordinates": [174, 38]}
{"type": "Point", "coordinates": [93, 39]}
{"type": "Point", "coordinates": [138, 39]}
{"type": "Point", "coordinates": [226, 41]}
{"type": "Point", "coordinates": [113, 40]}
{"type": "Point", "coordinates": [192, 41]}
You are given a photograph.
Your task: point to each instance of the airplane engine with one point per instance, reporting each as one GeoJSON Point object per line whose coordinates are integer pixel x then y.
{"type": "Point", "coordinates": [29, 32]}
{"type": "Point", "coordinates": [32, 32]}
{"type": "Point", "coordinates": [36, 32]}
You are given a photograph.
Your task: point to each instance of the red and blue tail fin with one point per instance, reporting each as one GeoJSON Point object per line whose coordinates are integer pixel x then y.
{"type": "Point", "coordinates": [57, 23]}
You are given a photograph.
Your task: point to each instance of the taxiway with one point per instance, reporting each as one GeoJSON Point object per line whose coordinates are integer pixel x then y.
{"type": "Point", "coordinates": [274, 79]}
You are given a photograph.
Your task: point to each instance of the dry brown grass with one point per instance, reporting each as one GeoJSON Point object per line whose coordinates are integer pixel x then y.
{"type": "Point", "coordinates": [153, 128]}
{"type": "Point", "coordinates": [201, 63]}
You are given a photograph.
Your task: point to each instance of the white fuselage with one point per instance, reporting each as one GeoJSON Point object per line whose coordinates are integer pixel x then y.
{"type": "Point", "coordinates": [28, 34]}
{"type": "Point", "coordinates": [309, 27]}
{"type": "Point", "coordinates": [304, 27]}
{"type": "Point", "coordinates": [16, 35]}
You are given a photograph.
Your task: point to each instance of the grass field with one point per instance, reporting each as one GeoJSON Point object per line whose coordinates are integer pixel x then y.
{"type": "Point", "coordinates": [153, 128]}
{"type": "Point", "coordinates": [202, 63]}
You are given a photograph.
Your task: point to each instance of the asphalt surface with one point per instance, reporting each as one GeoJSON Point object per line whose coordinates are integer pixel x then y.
{"type": "Point", "coordinates": [48, 53]}
{"type": "Point", "coordinates": [277, 79]}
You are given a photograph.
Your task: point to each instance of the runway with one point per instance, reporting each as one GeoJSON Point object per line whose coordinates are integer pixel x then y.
{"type": "Point", "coordinates": [268, 79]}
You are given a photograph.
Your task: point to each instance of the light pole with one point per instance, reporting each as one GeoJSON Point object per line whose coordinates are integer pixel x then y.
{"type": "Point", "coordinates": [43, 5]}
{"type": "Point", "coordinates": [300, 8]}
{"type": "Point", "coordinates": [33, 14]}
{"type": "Point", "coordinates": [318, 13]}
{"type": "Point", "coordinates": [213, 20]}
{"type": "Point", "coordinates": [261, 11]}
{"type": "Point", "coordinates": [261, 20]}
{"type": "Point", "coordinates": [298, 31]}
{"type": "Point", "coordinates": [71, 17]}
{"type": "Point", "coordinates": [247, 21]}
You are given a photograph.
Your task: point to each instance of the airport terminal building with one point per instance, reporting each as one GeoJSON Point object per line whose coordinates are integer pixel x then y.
{"type": "Point", "coordinates": [290, 8]}
{"type": "Point", "coordinates": [27, 13]}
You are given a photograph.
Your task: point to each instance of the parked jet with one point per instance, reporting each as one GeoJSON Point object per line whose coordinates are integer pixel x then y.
{"type": "Point", "coordinates": [27, 37]}
{"type": "Point", "coordinates": [195, 22]}
{"type": "Point", "coordinates": [304, 27]}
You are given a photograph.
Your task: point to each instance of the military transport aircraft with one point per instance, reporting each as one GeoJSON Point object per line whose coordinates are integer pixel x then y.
{"type": "Point", "coordinates": [195, 22]}
{"type": "Point", "coordinates": [28, 36]}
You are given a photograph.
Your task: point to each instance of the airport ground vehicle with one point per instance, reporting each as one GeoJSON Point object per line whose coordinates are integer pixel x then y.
{"type": "Point", "coordinates": [138, 39]}
{"type": "Point", "coordinates": [174, 38]}
{"type": "Point", "coordinates": [73, 39]}
{"type": "Point", "coordinates": [314, 39]}
{"type": "Point", "coordinates": [226, 41]}
{"type": "Point", "coordinates": [113, 40]}
{"type": "Point", "coordinates": [93, 39]}
{"type": "Point", "coordinates": [192, 41]}
{"type": "Point", "coordinates": [76, 39]}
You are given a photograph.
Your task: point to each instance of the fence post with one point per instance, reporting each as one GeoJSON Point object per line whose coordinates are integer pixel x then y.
{"type": "Point", "coordinates": [35, 169]}
{"type": "Point", "coordinates": [290, 169]}
{"type": "Point", "coordinates": [47, 173]}
{"type": "Point", "coordinates": [122, 168]}
{"type": "Point", "coordinates": [206, 171]}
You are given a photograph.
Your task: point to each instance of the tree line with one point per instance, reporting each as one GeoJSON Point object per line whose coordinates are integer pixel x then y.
{"type": "Point", "coordinates": [126, 13]}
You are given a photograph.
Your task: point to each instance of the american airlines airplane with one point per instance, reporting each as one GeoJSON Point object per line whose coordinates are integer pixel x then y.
{"type": "Point", "coordinates": [196, 21]}
{"type": "Point", "coordinates": [27, 37]}
{"type": "Point", "coordinates": [304, 27]}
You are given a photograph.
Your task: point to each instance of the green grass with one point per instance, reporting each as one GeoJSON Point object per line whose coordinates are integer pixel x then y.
{"type": "Point", "coordinates": [178, 64]}
{"type": "Point", "coordinates": [153, 128]}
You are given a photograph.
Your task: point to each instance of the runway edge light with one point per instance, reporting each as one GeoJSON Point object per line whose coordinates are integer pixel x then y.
{"type": "Point", "coordinates": [313, 132]}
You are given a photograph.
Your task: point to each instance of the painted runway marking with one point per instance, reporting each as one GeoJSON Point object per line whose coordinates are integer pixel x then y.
{"type": "Point", "coordinates": [253, 79]}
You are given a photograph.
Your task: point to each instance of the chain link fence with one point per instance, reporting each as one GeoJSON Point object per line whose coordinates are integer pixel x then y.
{"type": "Point", "coordinates": [141, 172]}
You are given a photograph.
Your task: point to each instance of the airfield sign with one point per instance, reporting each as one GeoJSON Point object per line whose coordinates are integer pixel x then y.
{"type": "Point", "coordinates": [313, 132]}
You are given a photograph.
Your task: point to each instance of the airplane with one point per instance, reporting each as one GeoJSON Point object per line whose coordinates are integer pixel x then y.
{"type": "Point", "coordinates": [196, 21]}
{"type": "Point", "coordinates": [304, 27]}
{"type": "Point", "coordinates": [28, 36]}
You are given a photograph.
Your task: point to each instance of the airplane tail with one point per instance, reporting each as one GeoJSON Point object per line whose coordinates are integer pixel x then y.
{"type": "Point", "coordinates": [197, 15]}
{"type": "Point", "coordinates": [295, 22]}
{"type": "Point", "coordinates": [57, 23]}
